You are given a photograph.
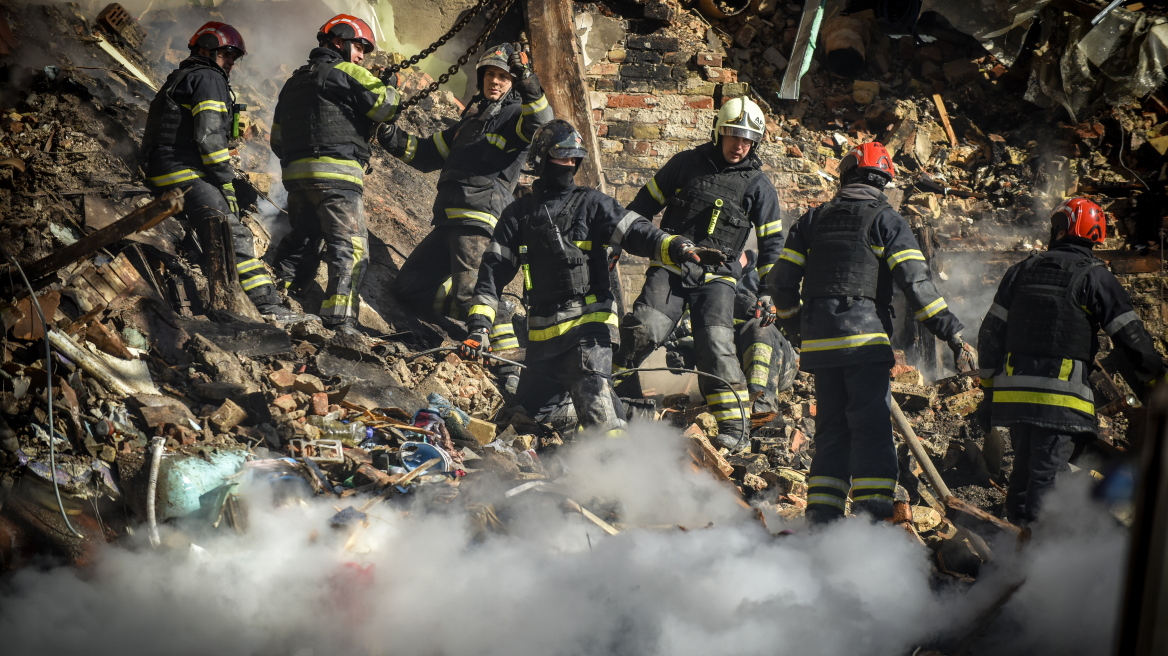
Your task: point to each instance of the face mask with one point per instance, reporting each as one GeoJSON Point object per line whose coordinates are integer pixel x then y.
{"type": "Point", "coordinates": [558, 175]}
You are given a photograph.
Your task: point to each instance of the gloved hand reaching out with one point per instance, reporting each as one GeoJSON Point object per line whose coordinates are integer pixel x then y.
{"type": "Point", "coordinates": [475, 345]}
{"type": "Point", "coordinates": [964, 355]}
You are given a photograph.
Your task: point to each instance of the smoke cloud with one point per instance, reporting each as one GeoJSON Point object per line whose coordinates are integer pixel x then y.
{"type": "Point", "coordinates": [556, 584]}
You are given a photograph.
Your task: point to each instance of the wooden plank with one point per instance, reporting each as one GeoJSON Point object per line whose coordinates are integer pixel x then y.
{"type": "Point", "coordinates": [561, 72]}
{"type": "Point", "coordinates": [945, 119]}
{"type": "Point", "coordinates": [142, 218]}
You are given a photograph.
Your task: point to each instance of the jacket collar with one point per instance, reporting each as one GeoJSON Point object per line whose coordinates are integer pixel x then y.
{"type": "Point", "coordinates": [543, 192]}
{"type": "Point", "coordinates": [199, 60]}
{"type": "Point", "coordinates": [1067, 247]}
{"type": "Point", "coordinates": [321, 53]}
{"type": "Point", "coordinates": [860, 192]}
{"type": "Point", "coordinates": [713, 152]}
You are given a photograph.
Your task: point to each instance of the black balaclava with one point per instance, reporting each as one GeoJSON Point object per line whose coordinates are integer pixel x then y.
{"type": "Point", "coordinates": [558, 176]}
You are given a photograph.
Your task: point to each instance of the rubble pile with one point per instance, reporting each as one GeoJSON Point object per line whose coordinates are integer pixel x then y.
{"type": "Point", "coordinates": [142, 364]}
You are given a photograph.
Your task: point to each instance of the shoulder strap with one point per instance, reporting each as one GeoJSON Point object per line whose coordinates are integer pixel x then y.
{"type": "Point", "coordinates": [322, 71]}
{"type": "Point", "coordinates": [570, 206]}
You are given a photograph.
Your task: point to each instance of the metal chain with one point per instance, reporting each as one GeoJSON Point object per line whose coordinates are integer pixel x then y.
{"type": "Point", "coordinates": [462, 22]}
{"type": "Point", "coordinates": [492, 23]}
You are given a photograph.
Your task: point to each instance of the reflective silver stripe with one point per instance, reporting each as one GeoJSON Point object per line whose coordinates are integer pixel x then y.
{"type": "Point", "coordinates": [502, 251]}
{"type": "Point", "coordinates": [626, 222]}
{"type": "Point", "coordinates": [1047, 384]}
{"type": "Point", "coordinates": [998, 311]}
{"type": "Point", "coordinates": [1119, 322]}
{"type": "Point", "coordinates": [828, 481]}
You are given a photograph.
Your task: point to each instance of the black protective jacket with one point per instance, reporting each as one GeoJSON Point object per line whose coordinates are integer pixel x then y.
{"type": "Point", "coordinates": [186, 138]}
{"type": "Point", "coordinates": [840, 331]}
{"type": "Point", "coordinates": [480, 158]}
{"type": "Point", "coordinates": [598, 222]}
{"type": "Point", "coordinates": [1051, 391]}
{"type": "Point", "coordinates": [322, 123]}
{"type": "Point", "coordinates": [760, 204]}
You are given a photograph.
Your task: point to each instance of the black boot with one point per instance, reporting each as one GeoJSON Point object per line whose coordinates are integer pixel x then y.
{"type": "Point", "coordinates": [278, 314]}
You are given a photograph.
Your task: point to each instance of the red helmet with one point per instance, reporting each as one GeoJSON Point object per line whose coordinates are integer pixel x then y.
{"type": "Point", "coordinates": [215, 35]}
{"type": "Point", "coordinates": [1080, 218]}
{"type": "Point", "coordinates": [349, 28]}
{"type": "Point", "coordinates": [870, 157]}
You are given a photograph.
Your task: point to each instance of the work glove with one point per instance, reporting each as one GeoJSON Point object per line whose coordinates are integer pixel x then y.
{"type": "Point", "coordinates": [683, 250]}
{"type": "Point", "coordinates": [765, 310]}
{"type": "Point", "coordinates": [964, 356]}
{"type": "Point", "coordinates": [387, 136]}
{"type": "Point", "coordinates": [525, 80]}
{"type": "Point", "coordinates": [229, 195]}
{"type": "Point", "coordinates": [392, 80]}
{"type": "Point", "coordinates": [475, 345]}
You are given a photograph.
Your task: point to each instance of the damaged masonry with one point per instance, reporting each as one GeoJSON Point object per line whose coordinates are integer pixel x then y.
{"type": "Point", "coordinates": [180, 472]}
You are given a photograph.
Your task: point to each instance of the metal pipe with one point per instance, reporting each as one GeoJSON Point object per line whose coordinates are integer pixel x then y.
{"type": "Point", "coordinates": [157, 444]}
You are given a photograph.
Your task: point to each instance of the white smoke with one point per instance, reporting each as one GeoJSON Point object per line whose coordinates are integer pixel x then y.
{"type": "Point", "coordinates": [556, 584]}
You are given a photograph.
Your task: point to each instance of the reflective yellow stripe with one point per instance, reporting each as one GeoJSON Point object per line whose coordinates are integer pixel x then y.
{"type": "Point", "coordinates": [441, 294]}
{"type": "Point", "coordinates": [879, 250]}
{"type": "Point", "coordinates": [851, 341]}
{"type": "Point", "coordinates": [209, 106]}
{"type": "Point", "coordinates": [794, 257]}
{"type": "Point", "coordinates": [655, 191]}
{"type": "Point", "coordinates": [325, 168]}
{"type": "Point", "coordinates": [217, 156]}
{"type": "Point", "coordinates": [722, 398]}
{"type": "Point", "coordinates": [558, 329]}
{"type": "Point", "coordinates": [759, 352]}
{"type": "Point", "coordinates": [768, 229]}
{"type": "Point", "coordinates": [500, 329]}
{"type": "Point", "coordinates": [337, 300]}
{"type": "Point", "coordinates": [174, 178]}
{"type": "Point", "coordinates": [1045, 398]}
{"type": "Point", "coordinates": [248, 265]}
{"type": "Point", "coordinates": [710, 277]}
{"type": "Point", "coordinates": [865, 497]}
{"type": "Point", "coordinates": [504, 343]}
{"type": "Point", "coordinates": [931, 309]}
{"type": "Point", "coordinates": [440, 143]}
{"type": "Point", "coordinates": [828, 481]}
{"type": "Point", "coordinates": [411, 149]}
{"type": "Point", "coordinates": [787, 313]}
{"type": "Point", "coordinates": [873, 483]}
{"type": "Point", "coordinates": [485, 310]}
{"type": "Point", "coordinates": [583, 245]}
{"type": "Point", "coordinates": [986, 383]}
{"type": "Point", "coordinates": [251, 283]}
{"type": "Point", "coordinates": [825, 500]}
{"type": "Point", "coordinates": [537, 106]}
{"type": "Point", "coordinates": [590, 299]}
{"type": "Point", "coordinates": [723, 415]}
{"type": "Point", "coordinates": [664, 254]}
{"type": "Point", "coordinates": [1065, 369]}
{"type": "Point", "coordinates": [765, 269]}
{"type": "Point", "coordinates": [463, 213]}
{"type": "Point", "coordinates": [903, 256]}
{"type": "Point", "coordinates": [385, 106]}
{"type": "Point", "coordinates": [496, 140]}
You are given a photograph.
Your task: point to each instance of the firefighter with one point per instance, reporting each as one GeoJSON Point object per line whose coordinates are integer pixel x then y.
{"type": "Point", "coordinates": [559, 237]}
{"type": "Point", "coordinates": [185, 146]}
{"type": "Point", "coordinates": [1037, 344]}
{"type": "Point", "coordinates": [768, 360]}
{"type": "Point", "coordinates": [713, 195]}
{"type": "Point", "coordinates": [847, 252]}
{"type": "Point", "coordinates": [480, 158]}
{"type": "Point", "coordinates": [325, 117]}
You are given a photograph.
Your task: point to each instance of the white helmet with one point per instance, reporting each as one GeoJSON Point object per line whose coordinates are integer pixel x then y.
{"type": "Point", "coordinates": [740, 117]}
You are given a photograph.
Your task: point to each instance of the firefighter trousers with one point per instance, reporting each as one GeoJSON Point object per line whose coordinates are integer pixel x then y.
{"type": "Point", "coordinates": [768, 361]}
{"type": "Point", "coordinates": [335, 218]}
{"type": "Point", "coordinates": [1039, 455]}
{"type": "Point", "coordinates": [854, 448]}
{"type": "Point", "coordinates": [585, 370]}
{"type": "Point", "coordinates": [660, 306]}
{"type": "Point", "coordinates": [204, 200]}
{"type": "Point", "coordinates": [441, 272]}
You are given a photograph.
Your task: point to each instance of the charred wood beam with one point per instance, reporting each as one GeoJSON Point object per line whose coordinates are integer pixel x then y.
{"type": "Point", "coordinates": [561, 72]}
{"type": "Point", "coordinates": [143, 218]}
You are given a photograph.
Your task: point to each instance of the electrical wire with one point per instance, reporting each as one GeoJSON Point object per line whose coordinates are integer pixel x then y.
{"type": "Point", "coordinates": [679, 370]}
{"type": "Point", "coordinates": [36, 303]}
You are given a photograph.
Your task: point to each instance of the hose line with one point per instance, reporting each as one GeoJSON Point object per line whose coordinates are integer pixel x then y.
{"type": "Point", "coordinates": [679, 370]}
{"type": "Point", "coordinates": [36, 303]}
